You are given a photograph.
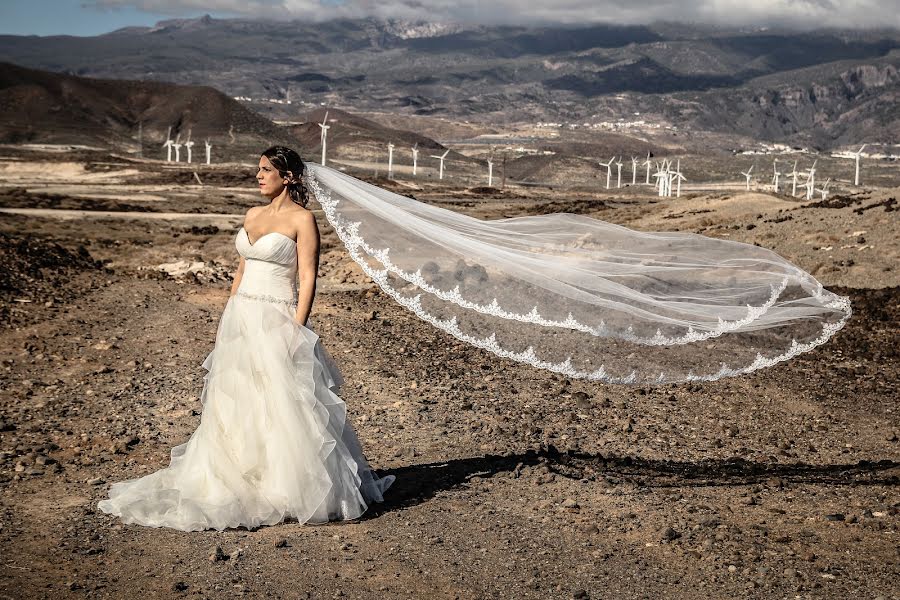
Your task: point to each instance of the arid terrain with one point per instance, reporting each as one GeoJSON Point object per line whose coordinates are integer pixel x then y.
{"type": "Point", "coordinates": [511, 482]}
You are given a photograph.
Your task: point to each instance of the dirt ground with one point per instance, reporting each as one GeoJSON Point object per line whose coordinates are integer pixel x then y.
{"type": "Point", "coordinates": [511, 482]}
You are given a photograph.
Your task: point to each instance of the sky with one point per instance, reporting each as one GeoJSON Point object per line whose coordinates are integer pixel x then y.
{"type": "Point", "coordinates": [93, 17]}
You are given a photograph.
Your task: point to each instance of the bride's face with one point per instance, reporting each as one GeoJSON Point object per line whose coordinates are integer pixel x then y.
{"type": "Point", "coordinates": [271, 184]}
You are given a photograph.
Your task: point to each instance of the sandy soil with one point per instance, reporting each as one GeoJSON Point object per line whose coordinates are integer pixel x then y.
{"type": "Point", "coordinates": [511, 482]}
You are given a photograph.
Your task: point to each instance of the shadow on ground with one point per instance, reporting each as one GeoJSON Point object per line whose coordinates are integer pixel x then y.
{"type": "Point", "coordinates": [418, 483]}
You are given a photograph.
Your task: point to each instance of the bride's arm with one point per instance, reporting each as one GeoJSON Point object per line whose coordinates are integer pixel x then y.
{"type": "Point", "coordinates": [307, 264]}
{"type": "Point", "coordinates": [240, 272]}
{"type": "Point", "coordinates": [237, 278]}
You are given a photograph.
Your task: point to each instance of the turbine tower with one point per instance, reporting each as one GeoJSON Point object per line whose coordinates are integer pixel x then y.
{"type": "Point", "coordinates": [634, 164]}
{"type": "Point", "coordinates": [747, 175]}
{"type": "Point", "coordinates": [490, 164]}
{"type": "Point", "coordinates": [659, 175]}
{"type": "Point", "coordinates": [168, 145]}
{"type": "Point", "coordinates": [856, 155]}
{"type": "Point", "coordinates": [390, 160]}
{"type": "Point", "coordinates": [678, 179]}
{"type": "Point", "coordinates": [441, 158]}
{"type": "Point", "coordinates": [647, 164]}
{"type": "Point", "coordinates": [177, 146]}
{"type": "Point", "coordinates": [323, 135]}
{"type": "Point", "coordinates": [824, 189]}
{"type": "Point", "coordinates": [415, 153]}
{"type": "Point", "coordinates": [189, 144]}
{"type": "Point", "coordinates": [811, 181]}
{"type": "Point", "coordinates": [608, 166]}
{"type": "Point", "coordinates": [793, 175]}
{"type": "Point", "coordinates": [619, 177]}
{"type": "Point", "coordinates": [776, 175]}
{"type": "Point", "coordinates": [208, 150]}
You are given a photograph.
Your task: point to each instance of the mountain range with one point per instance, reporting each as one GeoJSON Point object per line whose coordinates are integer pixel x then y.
{"type": "Point", "coordinates": [823, 88]}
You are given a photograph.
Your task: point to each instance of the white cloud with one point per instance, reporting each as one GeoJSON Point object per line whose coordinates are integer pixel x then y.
{"type": "Point", "coordinates": [796, 13]}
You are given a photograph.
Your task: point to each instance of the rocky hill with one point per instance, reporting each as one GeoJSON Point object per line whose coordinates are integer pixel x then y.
{"type": "Point", "coordinates": [824, 87]}
{"type": "Point", "coordinates": [43, 107]}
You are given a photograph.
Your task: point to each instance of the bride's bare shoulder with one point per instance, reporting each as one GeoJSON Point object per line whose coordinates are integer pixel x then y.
{"type": "Point", "coordinates": [304, 222]}
{"type": "Point", "coordinates": [251, 212]}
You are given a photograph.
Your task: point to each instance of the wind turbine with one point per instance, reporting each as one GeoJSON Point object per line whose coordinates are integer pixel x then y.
{"type": "Point", "coordinates": [647, 164]}
{"type": "Point", "coordinates": [415, 153]}
{"type": "Point", "coordinates": [177, 146]}
{"type": "Point", "coordinates": [323, 135]}
{"type": "Point", "coordinates": [824, 189]}
{"type": "Point", "coordinates": [390, 160]}
{"type": "Point", "coordinates": [659, 175]}
{"type": "Point", "coordinates": [856, 155]}
{"type": "Point", "coordinates": [168, 145]}
{"type": "Point", "coordinates": [793, 175]}
{"type": "Point", "coordinates": [776, 175]}
{"type": "Point", "coordinates": [634, 164]}
{"type": "Point", "coordinates": [811, 180]}
{"type": "Point", "coordinates": [608, 166]}
{"type": "Point", "coordinates": [208, 150]}
{"type": "Point", "coordinates": [669, 179]}
{"type": "Point", "coordinates": [678, 179]}
{"type": "Point", "coordinates": [747, 175]}
{"type": "Point", "coordinates": [490, 164]}
{"type": "Point", "coordinates": [189, 144]}
{"type": "Point", "coordinates": [441, 158]}
{"type": "Point", "coordinates": [619, 178]}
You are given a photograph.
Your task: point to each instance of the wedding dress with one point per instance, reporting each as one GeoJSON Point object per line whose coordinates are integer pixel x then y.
{"type": "Point", "coordinates": [274, 441]}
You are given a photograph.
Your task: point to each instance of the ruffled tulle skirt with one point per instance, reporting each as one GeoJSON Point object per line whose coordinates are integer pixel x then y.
{"type": "Point", "coordinates": [273, 443]}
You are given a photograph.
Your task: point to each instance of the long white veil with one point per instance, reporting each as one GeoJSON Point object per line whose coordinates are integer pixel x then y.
{"type": "Point", "coordinates": [582, 297]}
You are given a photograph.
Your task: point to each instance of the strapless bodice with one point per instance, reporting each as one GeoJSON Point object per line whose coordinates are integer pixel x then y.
{"type": "Point", "coordinates": [270, 266]}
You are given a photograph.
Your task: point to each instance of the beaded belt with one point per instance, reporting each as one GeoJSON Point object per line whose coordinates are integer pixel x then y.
{"type": "Point", "coordinates": [268, 298]}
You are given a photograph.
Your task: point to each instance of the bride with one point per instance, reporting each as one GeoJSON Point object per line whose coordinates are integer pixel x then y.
{"type": "Point", "coordinates": [273, 441]}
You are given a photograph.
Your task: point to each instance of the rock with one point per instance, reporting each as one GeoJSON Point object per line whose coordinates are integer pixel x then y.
{"type": "Point", "coordinates": [95, 481]}
{"type": "Point", "coordinates": [669, 535]}
{"type": "Point", "coordinates": [179, 586]}
{"type": "Point", "coordinates": [782, 539]}
{"type": "Point", "coordinates": [181, 268]}
{"type": "Point", "coordinates": [711, 522]}
{"type": "Point", "coordinates": [589, 528]}
{"type": "Point", "coordinates": [216, 554]}
{"type": "Point", "coordinates": [582, 400]}
{"type": "Point", "coordinates": [236, 554]}
{"type": "Point", "coordinates": [835, 517]}
{"type": "Point", "coordinates": [580, 595]}
{"type": "Point", "coordinates": [4, 426]}
{"type": "Point", "coordinates": [281, 543]}
{"type": "Point", "coordinates": [569, 503]}
{"type": "Point", "coordinates": [790, 573]}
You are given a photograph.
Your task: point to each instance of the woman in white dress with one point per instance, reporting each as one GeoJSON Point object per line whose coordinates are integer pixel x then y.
{"type": "Point", "coordinates": [273, 441]}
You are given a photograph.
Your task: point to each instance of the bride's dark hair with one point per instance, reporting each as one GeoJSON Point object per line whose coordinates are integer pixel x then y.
{"type": "Point", "coordinates": [291, 167]}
